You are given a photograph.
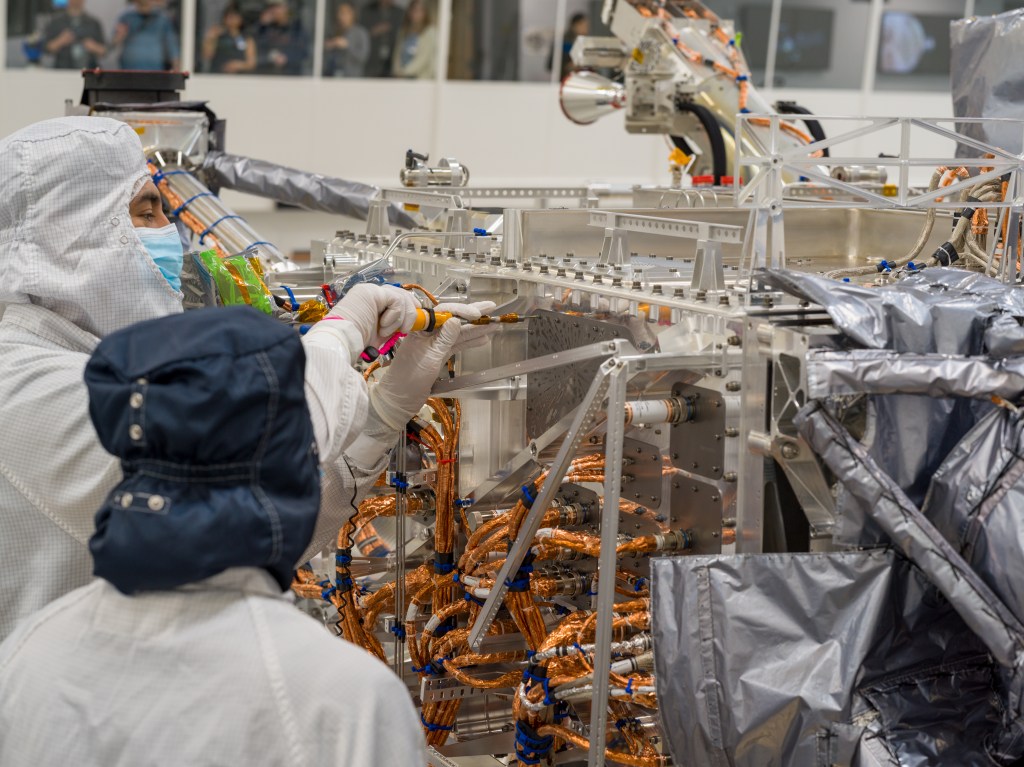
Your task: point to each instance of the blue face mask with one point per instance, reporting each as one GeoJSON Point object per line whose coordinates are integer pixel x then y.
{"type": "Point", "coordinates": [164, 247]}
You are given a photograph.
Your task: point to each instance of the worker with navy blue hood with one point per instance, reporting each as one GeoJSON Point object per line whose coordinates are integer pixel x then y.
{"type": "Point", "coordinates": [184, 650]}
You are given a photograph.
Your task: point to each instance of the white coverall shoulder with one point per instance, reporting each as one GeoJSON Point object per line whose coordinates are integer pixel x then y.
{"type": "Point", "coordinates": [222, 672]}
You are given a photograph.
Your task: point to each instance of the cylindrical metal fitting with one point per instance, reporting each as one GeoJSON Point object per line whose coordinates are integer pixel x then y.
{"type": "Point", "coordinates": [672, 410]}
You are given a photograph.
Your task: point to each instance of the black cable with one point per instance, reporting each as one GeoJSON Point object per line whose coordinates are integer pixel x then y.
{"type": "Point", "coordinates": [813, 126]}
{"type": "Point", "coordinates": [713, 130]}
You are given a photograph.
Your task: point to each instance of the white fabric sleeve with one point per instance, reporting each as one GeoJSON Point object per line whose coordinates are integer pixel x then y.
{"type": "Point", "coordinates": [350, 462]}
{"type": "Point", "coordinates": [335, 393]}
{"type": "Point", "coordinates": [334, 333]}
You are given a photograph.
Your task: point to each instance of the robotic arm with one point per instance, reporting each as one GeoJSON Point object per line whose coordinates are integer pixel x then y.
{"type": "Point", "coordinates": [684, 75]}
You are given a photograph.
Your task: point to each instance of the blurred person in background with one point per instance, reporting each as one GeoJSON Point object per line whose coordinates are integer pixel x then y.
{"type": "Point", "coordinates": [579, 25]}
{"type": "Point", "coordinates": [226, 47]}
{"type": "Point", "coordinates": [416, 47]}
{"type": "Point", "coordinates": [147, 38]}
{"type": "Point", "coordinates": [383, 19]}
{"type": "Point", "coordinates": [74, 38]}
{"type": "Point", "coordinates": [281, 45]}
{"type": "Point", "coordinates": [345, 53]}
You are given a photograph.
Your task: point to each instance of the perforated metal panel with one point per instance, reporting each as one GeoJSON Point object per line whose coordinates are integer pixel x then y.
{"type": "Point", "coordinates": [553, 393]}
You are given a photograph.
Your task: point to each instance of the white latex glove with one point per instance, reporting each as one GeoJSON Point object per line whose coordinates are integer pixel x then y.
{"type": "Point", "coordinates": [468, 312]}
{"type": "Point", "coordinates": [405, 384]}
{"type": "Point", "coordinates": [371, 314]}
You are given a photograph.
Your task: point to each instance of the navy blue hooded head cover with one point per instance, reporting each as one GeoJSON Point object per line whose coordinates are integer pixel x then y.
{"type": "Point", "coordinates": [207, 412]}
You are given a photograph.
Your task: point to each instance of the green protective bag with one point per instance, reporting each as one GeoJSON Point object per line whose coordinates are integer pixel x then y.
{"type": "Point", "coordinates": [237, 280]}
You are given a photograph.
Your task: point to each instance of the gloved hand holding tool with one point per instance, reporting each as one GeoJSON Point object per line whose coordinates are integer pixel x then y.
{"type": "Point", "coordinates": [405, 384]}
{"type": "Point", "coordinates": [369, 315]}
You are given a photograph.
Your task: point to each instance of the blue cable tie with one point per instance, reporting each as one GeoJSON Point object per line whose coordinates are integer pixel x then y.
{"type": "Point", "coordinates": [528, 496]}
{"type": "Point", "coordinates": [399, 631]}
{"type": "Point", "coordinates": [399, 484]}
{"type": "Point", "coordinates": [579, 648]}
{"type": "Point", "coordinates": [744, 111]}
{"type": "Point", "coordinates": [629, 686]}
{"type": "Point", "coordinates": [434, 727]}
{"type": "Point", "coordinates": [211, 227]}
{"type": "Point", "coordinates": [455, 577]}
{"type": "Point", "coordinates": [479, 232]}
{"type": "Point", "coordinates": [343, 559]}
{"type": "Point", "coordinates": [641, 582]}
{"type": "Point", "coordinates": [463, 502]}
{"type": "Point", "coordinates": [303, 329]}
{"type": "Point", "coordinates": [291, 297]}
{"type": "Point", "coordinates": [188, 202]}
{"type": "Point", "coordinates": [443, 568]}
{"type": "Point", "coordinates": [742, 78]}
{"type": "Point", "coordinates": [545, 685]}
{"type": "Point", "coordinates": [327, 590]}
{"type": "Point", "coordinates": [252, 245]}
{"type": "Point", "coordinates": [470, 598]}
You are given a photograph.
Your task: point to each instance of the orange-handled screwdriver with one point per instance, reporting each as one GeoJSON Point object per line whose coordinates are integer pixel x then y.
{"type": "Point", "coordinates": [428, 319]}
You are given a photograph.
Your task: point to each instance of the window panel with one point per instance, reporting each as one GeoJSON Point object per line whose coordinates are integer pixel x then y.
{"type": "Point", "coordinates": [511, 40]}
{"type": "Point", "coordinates": [82, 34]}
{"type": "Point", "coordinates": [821, 42]}
{"type": "Point", "coordinates": [255, 37]}
{"type": "Point", "coordinates": [913, 48]}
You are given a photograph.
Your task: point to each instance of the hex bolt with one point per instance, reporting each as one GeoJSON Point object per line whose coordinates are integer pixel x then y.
{"type": "Point", "coordinates": [732, 386]}
{"type": "Point", "coordinates": [729, 476]}
{"type": "Point", "coordinates": [732, 431]}
{"type": "Point", "coordinates": [790, 451]}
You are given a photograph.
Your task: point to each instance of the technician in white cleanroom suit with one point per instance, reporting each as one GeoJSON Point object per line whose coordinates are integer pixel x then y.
{"type": "Point", "coordinates": [85, 250]}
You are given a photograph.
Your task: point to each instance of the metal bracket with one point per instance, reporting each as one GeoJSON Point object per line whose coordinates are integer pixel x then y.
{"type": "Point", "coordinates": [667, 227]}
{"type": "Point", "coordinates": [614, 347]}
{"type": "Point", "coordinates": [510, 472]}
{"type": "Point", "coordinates": [447, 688]}
{"type": "Point", "coordinates": [401, 509]}
{"type": "Point", "coordinates": [377, 224]}
{"type": "Point", "coordinates": [616, 375]}
{"type": "Point", "coordinates": [436, 759]}
{"type": "Point", "coordinates": [421, 197]}
{"type": "Point", "coordinates": [615, 249]}
{"type": "Point", "coordinates": [590, 406]}
{"type": "Point", "coordinates": [511, 236]}
{"type": "Point", "coordinates": [458, 221]}
{"type": "Point", "coordinates": [708, 273]}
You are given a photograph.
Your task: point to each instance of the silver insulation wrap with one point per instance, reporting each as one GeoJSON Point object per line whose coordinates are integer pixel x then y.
{"type": "Point", "coordinates": [311, 191]}
{"type": "Point", "coordinates": [987, 71]}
